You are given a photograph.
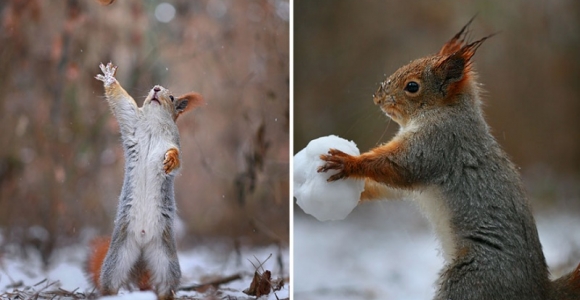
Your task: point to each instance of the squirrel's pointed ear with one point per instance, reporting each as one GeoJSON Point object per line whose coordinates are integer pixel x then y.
{"type": "Point", "coordinates": [187, 102]}
{"type": "Point", "coordinates": [450, 69]}
{"type": "Point", "coordinates": [456, 66]}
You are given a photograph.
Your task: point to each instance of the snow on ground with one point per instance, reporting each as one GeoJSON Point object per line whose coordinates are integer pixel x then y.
{"type": "Point", "coordinates": [385, 250]}
{"type": "Point", "coordinates": [196, 266]}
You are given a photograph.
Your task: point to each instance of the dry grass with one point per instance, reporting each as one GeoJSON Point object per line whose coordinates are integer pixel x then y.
{"type": "Point", "coordinates": [50, 290]}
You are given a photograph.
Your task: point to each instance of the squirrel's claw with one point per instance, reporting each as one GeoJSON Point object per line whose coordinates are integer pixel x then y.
{"type": "Point", "coordinates": [171, 161]}
{"type": "Point", "coordinates": [336, 152]}
{"type": "Point", "coordinates": [109, 69]}
{"type": "Point", "coordinates": [334, 161]}
{"type": "Point", "coordinates": [337, 176]}
{"type": "Point", "coordinates": [108, 76]}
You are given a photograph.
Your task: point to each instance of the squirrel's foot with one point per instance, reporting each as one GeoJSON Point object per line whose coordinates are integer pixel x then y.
{"type": "Point", "coordinates": [108, 76]}
{"type": "Point", "coordinates": [171, 161]}
{"type": "Point", "coordinates": [336, 160]}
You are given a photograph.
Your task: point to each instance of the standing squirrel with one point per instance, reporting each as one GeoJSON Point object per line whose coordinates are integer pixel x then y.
{"type": "Point", "coordinates": [142, 249]}
{"type": "Point", "coordinates": [445, 155]}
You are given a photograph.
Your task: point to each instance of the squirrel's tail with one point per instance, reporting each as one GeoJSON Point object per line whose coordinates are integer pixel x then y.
{"type": "Point", "coordinates": [567, 287]}
{"type": "Point", "coordinates": [97, 252]}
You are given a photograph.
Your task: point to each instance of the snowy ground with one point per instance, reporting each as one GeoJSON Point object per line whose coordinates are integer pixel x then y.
{"type": "Point", "coordinates": [197, 266]}
{"type": "Point", "coordinates": [385, 250]}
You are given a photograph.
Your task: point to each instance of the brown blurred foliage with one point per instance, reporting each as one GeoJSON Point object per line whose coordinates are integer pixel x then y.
{"type": "Point", "coordinates": [61, 161]}
{"type": "Point", "coordinates": [530, 72]}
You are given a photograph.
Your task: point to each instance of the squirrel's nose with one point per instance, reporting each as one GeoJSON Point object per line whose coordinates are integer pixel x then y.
{"type": "Point", "coordinates": [379, 97]}
{"type": "Point", "coordinates": [156, 89]}
{"type": "Point", "coordinates": [381, 94]}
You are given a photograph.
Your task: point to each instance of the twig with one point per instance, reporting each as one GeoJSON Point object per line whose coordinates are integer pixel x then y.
{"type": "Point", "coordinates": [40, 282]}
{"type": "Point", "coordinates": [214, 283]}
{"type": "Point", "coordinates": [260, 263]}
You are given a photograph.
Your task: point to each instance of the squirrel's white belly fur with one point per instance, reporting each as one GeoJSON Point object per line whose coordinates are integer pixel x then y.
{"type": "Point", "coordinates": [432, 204]}
{"type": "Point", "coordinates": [145, 213]}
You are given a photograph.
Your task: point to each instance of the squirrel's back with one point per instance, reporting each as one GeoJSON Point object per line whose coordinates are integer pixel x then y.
{"type": "Point", "coordinates": [473, 196]}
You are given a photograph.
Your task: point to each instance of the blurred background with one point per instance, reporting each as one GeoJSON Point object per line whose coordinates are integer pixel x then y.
{"type": "Point", "coordinates": [530, 72]}
{"type": "Point", "coordinates": [61, 161]}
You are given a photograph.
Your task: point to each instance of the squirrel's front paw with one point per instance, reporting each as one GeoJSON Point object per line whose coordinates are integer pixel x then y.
{"type": "Point", "coordinates": [336, 160]}
{"type": "Point", "coordinates": [171, 161]}
{"type": "Point", "coordinates": [108, 76]}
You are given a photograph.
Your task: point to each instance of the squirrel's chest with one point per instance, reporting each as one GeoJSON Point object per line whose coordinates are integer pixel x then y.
{"type": "Point", "coordinates": [433, 205]}
{"type": "Point", "coordinates": [145, 152]}
{"type": "Point", "coordinates": [150, 187]}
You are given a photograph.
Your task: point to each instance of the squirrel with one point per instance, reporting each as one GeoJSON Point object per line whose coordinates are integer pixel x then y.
{"type": "Point", "coordinates": [142, 249]}
{"type": "Point", "coordinates": [445, 156]}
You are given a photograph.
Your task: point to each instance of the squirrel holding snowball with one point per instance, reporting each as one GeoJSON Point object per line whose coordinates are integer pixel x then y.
{"type": "Point", "coordinates": [446, 156]}
{"type": "Point", "coordinates": [142, 250]}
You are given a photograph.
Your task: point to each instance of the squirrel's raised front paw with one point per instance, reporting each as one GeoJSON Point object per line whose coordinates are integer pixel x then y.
{"type": "Point", "coordinates": [336, 160]}
{"type": "Point", "coordinates": [108, 76]}
{"type": "Point", "coordinates": [171, 161]}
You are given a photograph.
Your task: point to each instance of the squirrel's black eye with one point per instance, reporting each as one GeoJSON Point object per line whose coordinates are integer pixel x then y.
{"type": "Point", "coordinates": [412, 87]}
{"type": "Point", "coordinates": [171, 97]}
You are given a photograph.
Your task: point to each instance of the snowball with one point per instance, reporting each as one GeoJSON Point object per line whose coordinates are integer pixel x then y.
{"type": "Point", "coordinates": [325, 200]}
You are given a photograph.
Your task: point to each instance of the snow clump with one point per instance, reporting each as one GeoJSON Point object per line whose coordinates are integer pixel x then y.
{"type": "Point", "coordinates": [317, 197]}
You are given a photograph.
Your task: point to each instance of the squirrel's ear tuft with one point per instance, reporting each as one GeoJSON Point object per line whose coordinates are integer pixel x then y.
{"type": "Point", "coordinates": [457, 41]}
{"type": "Point", "coordinates": [187, 102]}
{"type": "Point", "coordinates": [457, 65]}
{"type": "Point", "coordinates": [455, 57]}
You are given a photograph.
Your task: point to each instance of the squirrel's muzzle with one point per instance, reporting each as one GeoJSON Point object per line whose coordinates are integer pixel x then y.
{"type": "Point", "coordinates": [381, 95]}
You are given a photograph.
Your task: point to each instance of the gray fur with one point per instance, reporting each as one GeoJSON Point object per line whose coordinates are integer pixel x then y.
{"type": "Point", "coordinates": [489, 214]}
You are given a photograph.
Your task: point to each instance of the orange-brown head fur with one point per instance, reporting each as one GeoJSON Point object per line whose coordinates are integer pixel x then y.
{"type": "Point", "coordinates": [433, 81]}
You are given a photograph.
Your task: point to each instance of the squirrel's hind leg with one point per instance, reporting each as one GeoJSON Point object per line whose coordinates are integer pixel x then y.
{"type": "Point", "coordinates": [120, 260]}
{"type": "Point", "coordinates": [161, 259]}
